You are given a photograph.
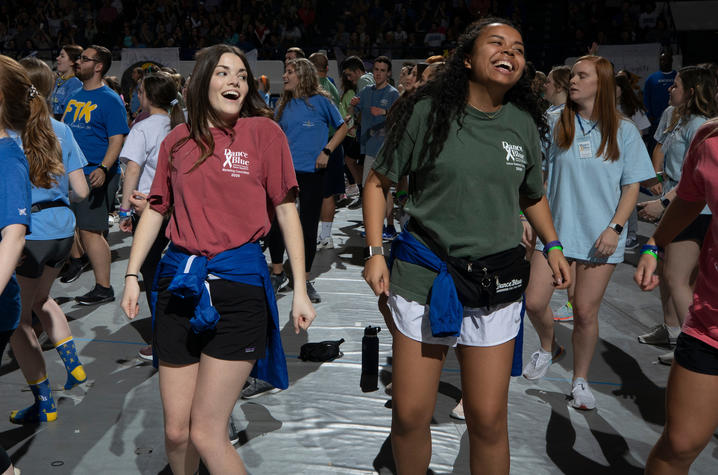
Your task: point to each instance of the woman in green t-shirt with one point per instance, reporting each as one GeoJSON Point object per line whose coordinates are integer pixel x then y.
{"type": "Point", "coordinates": [468, 139]}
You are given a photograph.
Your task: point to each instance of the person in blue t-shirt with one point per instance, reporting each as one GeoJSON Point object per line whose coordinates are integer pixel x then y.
{"type": "Point", "coordinates": [655, 90]}
{"type": "Point", "coordinates": [46, 249]}
{"type": "Point", "coordinates": [97, 117]}
{"type": "Point", "coordinates": [305, 114]}
{"type": "Point", "coordinates": [692, 97]}
{"type": "Point", "coordinates": [66, 84]}
{"type": "Point", "coordinates": [372, 104]}
{"type": "Point", "coordinates": [596, 160]}
{"type": "Point", "coordinates": [16, 98]}
{"type": "Point", "coordinates": [23, 110]}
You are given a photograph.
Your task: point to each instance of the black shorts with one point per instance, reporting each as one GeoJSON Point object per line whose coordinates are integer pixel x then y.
{"type": "Point", "coordinates": [696, 231]}
{"type": "Point", "coordinates": [351, 147]}
{"type": "Point", "coordinates": [38, 254]}
{"type": "Point", "coordinates": [92, 212]}
{"type": "Point", "coordinates": [240, 333]}
{"type": "Point", "coordinates": [333, 176]}
{"type": "Point", "coordinates": [695, 355]}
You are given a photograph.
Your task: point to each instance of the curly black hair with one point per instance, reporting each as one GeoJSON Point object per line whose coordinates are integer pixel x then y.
{"type": "Point", "coordinates": [448, 92]}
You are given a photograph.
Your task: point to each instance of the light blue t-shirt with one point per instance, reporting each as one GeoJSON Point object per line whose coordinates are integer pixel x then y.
{"type": "Point", "coordinates": [307, 127]}
{"type": "Point", "coordinates": [676, 142]}
{"type": "Point", "coordinates": [95, 116]}
{"type": "Point", "coordinates": [15, 203]}
{"type": "Point", "coordinates": [584, 190]}
{"type": "Point", "coordinates": [62, 92]}
{"type": "Point", "coordinates": [59, 222]}
{"type": "Point", "coordinates": [373, 132]}
{"type": "Point", "coordinates": [675, 146]}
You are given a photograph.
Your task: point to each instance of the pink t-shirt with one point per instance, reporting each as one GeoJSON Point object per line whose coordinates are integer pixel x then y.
{"type": "Point", "coordinates": [229, 200]}
{"type": "Point", "coordinates": [699, 182]}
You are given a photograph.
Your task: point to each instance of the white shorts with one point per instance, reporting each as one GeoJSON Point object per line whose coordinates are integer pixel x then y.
{"type": "Point", "coordinates": [480, 327]}
{"type": "Point", "coordinates": [368, 162]}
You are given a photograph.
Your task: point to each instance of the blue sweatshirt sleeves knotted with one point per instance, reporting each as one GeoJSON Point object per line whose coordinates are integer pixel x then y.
{"type": "Point", "coordinates": [446, 313]}
{"type": "Point", "coordinates": [445, 310]}
{"type": "Point", "coordinates": [245, 264]}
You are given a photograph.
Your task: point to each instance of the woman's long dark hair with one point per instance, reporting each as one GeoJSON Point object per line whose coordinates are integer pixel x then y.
{"type": "Point", "coordinates": [630, 103]}
{"type": "Point", "coordinates": [449, 91]}
{"type": "Point", "coordinates": [199, 110]}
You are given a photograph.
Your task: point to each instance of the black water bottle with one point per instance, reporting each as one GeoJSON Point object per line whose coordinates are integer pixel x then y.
{"type": "Point", "coordinates": [370, 359]}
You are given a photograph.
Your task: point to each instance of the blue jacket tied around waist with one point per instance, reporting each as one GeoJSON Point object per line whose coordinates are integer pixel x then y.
{"type": "Point", "coordinates": [446, 313]}
{"type": "Point", "coordinates": [244, 264]}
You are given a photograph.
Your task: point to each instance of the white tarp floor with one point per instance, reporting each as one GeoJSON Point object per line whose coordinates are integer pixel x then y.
{"type": "Point", "coordinates": [324, 423]}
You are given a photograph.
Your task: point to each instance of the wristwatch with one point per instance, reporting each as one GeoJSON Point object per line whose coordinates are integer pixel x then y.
{"type": "Point", "coordinates": [665, 202]}
{"type": "Point", "coordinates": [103, 168]}
{"type": "Point", "coordinates": [326, 150]}
{"type": "Point", "coordinates": [616, 227]}
{"type": "Point", "coordinates": [374, 251]}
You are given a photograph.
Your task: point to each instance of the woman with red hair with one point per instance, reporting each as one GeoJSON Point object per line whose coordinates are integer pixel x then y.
{"type": "Point", "coordinates": [596, 160]}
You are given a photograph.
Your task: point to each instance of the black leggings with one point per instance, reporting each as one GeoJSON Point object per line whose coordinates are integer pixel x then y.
{"type": "Point", "coordinates": [310, 207]}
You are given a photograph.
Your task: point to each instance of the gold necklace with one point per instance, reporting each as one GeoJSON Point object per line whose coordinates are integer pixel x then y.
{"type": "Point", "coordinates": [489, 115]}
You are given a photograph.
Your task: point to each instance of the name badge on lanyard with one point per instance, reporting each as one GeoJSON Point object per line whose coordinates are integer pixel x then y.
{"type": "Point", "coordinates": [585, 150]}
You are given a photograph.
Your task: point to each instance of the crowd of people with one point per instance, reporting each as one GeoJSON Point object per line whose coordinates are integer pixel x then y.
{"type": "Point", "coordinates": [554, 161]}
{"type": "Point", "coordinates": [364, 28]}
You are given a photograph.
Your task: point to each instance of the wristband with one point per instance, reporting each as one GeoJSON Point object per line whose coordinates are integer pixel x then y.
{"type": "Point", "coordinates": [124, 210]}
{"type": "Point", "coordinates": [326, 151]}
{"type": "Point", "coordinates": [132, 275]}
{"type": "Point", "coordinates": [551, 246]}
{"type": "Point", "coordinates": [124, 214]}
{"type": "Point", "coordinates": [103, 168]}
{"type": "Point", "coordinates": [651, 253]}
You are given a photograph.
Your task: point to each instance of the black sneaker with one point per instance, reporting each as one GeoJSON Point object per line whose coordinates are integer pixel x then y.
{"type": "Point", "coordinates": [312, 293]}
{"type": "Point", "coordinates": [279, 281]}
{"type": "Point", "coordinates": [75, 268]}
{"type": "Point", "coordinates": [97, 295]}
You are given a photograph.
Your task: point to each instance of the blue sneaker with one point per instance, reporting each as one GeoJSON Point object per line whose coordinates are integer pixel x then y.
{"type": "Point", "coordinates": [389, 233]}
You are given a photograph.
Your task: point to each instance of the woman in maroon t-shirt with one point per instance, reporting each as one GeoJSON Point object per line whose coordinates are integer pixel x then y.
{"type": "Point", "coordinates": [221, 178]}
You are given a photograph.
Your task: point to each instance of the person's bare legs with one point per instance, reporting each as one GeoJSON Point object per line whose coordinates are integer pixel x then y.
{"type": "Point", "coordinates": [680, 269]}
{"type": "Point", "coordinates": [354, 168]}
{"type": "Point", "coordinates": [177, 388]}
{"type": "Point", "coordinates": [219, 383]}
{"type": "Point", "coordinates": [691, 420]}
{"type": "Point", "coordinates": [77, 250]}
{"type": "Point", "coordinates": [538, 298]}
{"type": "Point", "coordinates": [415, 381]}
{"type": "Point", "coordinates": [24, 342]}
{"type": "Point", "coordinates": [591, 283]}
{"type": "Point", "coordinates": [98, 251]}
{"type": "Point", "coordinates": [485, 375]}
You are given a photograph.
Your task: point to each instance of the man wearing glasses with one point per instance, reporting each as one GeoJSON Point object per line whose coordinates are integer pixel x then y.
{"type": "Point", "coordinates": [98, 119]}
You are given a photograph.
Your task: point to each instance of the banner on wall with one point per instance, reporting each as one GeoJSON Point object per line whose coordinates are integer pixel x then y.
{"type": "Point", "coordinates": [165, 56]}
{"type": "Point", "coordinates": [640, 59]}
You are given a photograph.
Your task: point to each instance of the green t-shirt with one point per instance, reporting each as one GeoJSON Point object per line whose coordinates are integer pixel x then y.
{"type": "Point", "coordinates": [327, 85]}
{"type": "Point", "coordinates": [467, 198]}
{"type": "Point", "coordinates": [346, 110]}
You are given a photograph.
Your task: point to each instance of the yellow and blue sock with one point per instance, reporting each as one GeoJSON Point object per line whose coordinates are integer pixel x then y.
{"type": "Point", "coordinates": [43, 410]}
{"type": "Point", "coordinates": [75, 371]}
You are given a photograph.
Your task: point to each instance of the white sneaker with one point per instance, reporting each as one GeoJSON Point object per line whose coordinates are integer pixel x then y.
{"type": "Point", "coordinates": [582, 396]}
{"type": "Point", "coordinates": [458, 411]}
{"type": "Point", "coordinates": [666, 358]}
{"type": "Point", "coordinates": [660, 335]}
{"type": "Point", "coordinates": [326, 243]}
{"type": "Point", "coordinates": [540, 362]}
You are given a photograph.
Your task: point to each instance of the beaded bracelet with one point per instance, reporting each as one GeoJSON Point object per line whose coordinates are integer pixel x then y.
{"type": "Point", "coordinates": [551, 246]}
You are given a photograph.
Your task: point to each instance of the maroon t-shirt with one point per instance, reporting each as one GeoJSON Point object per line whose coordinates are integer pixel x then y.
{"type": "Point", "coordinates": [229, 200]}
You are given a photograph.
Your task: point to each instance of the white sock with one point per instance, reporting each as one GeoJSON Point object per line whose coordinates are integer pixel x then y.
{"type": "Point", "coordinates": [673, 331]}
{"type": "Point", "coordinates": [326, 229]}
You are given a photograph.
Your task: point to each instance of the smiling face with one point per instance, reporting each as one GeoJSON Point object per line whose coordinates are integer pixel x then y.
{"type": "Point", "coordinates": [228, 87]}
{"type": "Point", "coordinates": [583, 85]}
{"type": "Point", "coordinates": [497, 57]}
{"type": "Point", "coordinates": [677, 93]}
{"type": "Point", "coordinates": [291, 80]}
{"type": "Point", "coordinates": [64, 63]}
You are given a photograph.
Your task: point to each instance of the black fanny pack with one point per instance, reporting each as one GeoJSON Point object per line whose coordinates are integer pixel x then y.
{"type": "Point", "coordinates": [491, 280]}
